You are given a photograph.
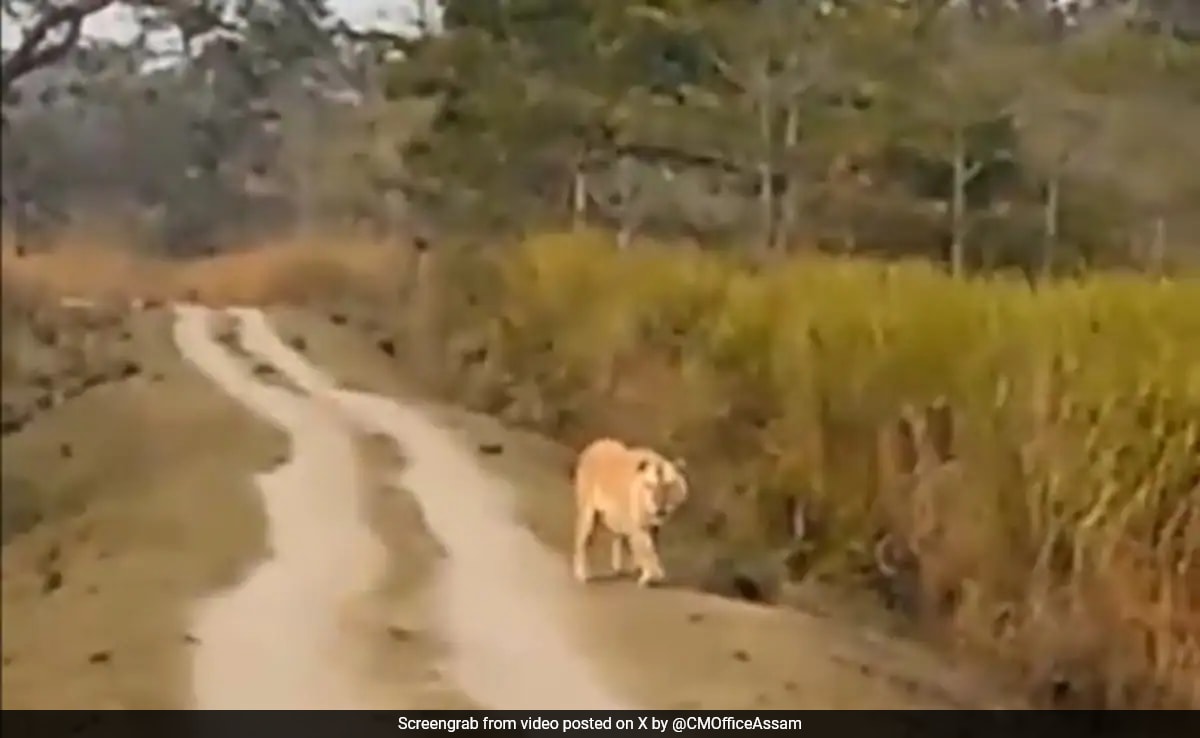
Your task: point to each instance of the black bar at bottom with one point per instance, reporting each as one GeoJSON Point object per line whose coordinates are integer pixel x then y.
{"type": "Point", "coordinates": [324, 724]}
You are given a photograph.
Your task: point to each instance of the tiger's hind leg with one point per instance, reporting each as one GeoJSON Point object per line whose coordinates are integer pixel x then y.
{"type": "Point", "coordinates": [586, 520]}
{"type": "Point", "coordinates": [620, 562]}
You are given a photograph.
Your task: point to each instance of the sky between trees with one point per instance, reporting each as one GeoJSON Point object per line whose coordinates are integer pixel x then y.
{"type": "Point", "coordinates": [117, 21]}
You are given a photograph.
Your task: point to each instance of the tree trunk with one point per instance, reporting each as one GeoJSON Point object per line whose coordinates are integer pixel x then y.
{"type": "Point", "coordinates": [1158, 247]}
{"type": "Point", "coordinates": [787, 198]}
{"type": "Point", "coordinates": [625, 188]}
{"type": "Point", "coordinates": [422, 315]}
{"type": "Point", "coordinates": [425, 17]}
{"type": "Point", "coordinates": [20, 247]}
{"type": "Point", "coordinates": [579, 196]}
{"type": "Point", "coordinates": [305, 185]}
{"type": "Point", "coordinates": [766, 194]}
{"type": "Point", "coordinates": [958, 205]}
{"type": "Point", "coordinates": [1050, 225]}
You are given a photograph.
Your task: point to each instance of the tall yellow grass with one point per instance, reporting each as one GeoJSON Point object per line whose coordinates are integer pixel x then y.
{"type": "Point", "coordinates": [1067, 542]}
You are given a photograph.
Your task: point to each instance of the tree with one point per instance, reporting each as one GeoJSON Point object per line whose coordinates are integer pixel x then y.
{"type": "Point", "coordinates": [1057, 127]}
{"type": "Point", "coordinates": [180, 141]}
{"type": "Point", "coordinates": [968, 81]}
{"type": "Point", "coordinates": [39, 47]}
{"type": "Point", "coordinates": [1136, 95]}
{"type": "Point", "coordinates": [52, 31]}
{"type": "Point", "coordinates": [1152, 154]}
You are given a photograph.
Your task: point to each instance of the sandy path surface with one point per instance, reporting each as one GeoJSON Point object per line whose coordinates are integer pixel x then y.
{"type": "Point", "coordinates": [277, 640]}
{"type": "Point", "coordinates": [501, 594]}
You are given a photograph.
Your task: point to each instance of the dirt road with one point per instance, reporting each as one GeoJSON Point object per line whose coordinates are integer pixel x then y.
{"type": "Point", "coordinates": [520, 633]}
{"type": "Point", "coordinates": [275, 641]}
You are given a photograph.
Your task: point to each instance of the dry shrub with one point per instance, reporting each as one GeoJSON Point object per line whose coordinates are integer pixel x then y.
{"type": "Point", "coordinates": [1059, 493]}
{"type": "Point", "coordinates": [88, 270]}
{"type": "Point", "coordinates": [330, 267]}
{"type": "Point", "coordinates": [52, 353]}
{"type": "Point", "coordinates": [323, 267]}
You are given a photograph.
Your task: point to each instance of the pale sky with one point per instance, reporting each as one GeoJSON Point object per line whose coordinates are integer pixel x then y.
{"type": "Point", "coordinates": [116, 20]}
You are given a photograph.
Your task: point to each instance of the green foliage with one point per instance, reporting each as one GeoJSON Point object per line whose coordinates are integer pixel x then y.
{"type": "Point", "coordinates": [724, 95]}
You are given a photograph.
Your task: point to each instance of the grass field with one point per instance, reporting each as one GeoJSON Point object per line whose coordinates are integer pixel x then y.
{"type": "Point", "coordinates": [1027, 461]}
{"type": "Point", "coordinates": [1016, 470]}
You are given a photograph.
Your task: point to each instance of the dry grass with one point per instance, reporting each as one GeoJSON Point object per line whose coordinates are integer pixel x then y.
{"type": "Point", "coordinates": [287, 271]}
{"type": "Point", "coordinates": [53, 354]}
{"type": "Point", "coordinates": [296, 272]}
{"type": "Point", "coordinates": [91, 270]}
{"type": "Point", "coordinates": [348, 348]}
{"type": "Point", "coordinates": [1053, 518]}
{"type": "Point", "coordinates": [1053, 522]}
{"type": "Point", "coordinates": [116, 519]}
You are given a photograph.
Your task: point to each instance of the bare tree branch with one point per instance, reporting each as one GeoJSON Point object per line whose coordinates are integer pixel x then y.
{"type": "Point", "coordinates": [36, 51]}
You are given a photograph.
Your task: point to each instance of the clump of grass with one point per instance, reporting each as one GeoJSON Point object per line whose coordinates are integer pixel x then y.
{"type": "Point", "coordinates": [52, 353]}
{"type": "Point", "coordinates": [327, 266]}
{"type": "Point", "coordinates": [297, 271]}
{"type": "Point", "coordinates": [93, 269]}
{"type": "Point", "coordinates": [1056, 523]}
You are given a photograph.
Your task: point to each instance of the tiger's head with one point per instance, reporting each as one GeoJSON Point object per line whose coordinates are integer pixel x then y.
{"type": "Point", "coordinates": [661, 485]}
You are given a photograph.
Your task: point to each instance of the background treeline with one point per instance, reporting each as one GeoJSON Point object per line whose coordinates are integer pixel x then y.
{"type": "Point", "coordinates": [986, 136]}
{"type": "Point", "coordinates": [983, 134]}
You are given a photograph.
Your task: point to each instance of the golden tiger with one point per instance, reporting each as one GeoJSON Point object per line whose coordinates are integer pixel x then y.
{"type": "Point", "coordinates": [632, 491]}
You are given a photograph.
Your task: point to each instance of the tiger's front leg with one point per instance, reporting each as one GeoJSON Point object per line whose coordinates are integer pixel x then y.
{"type": "Point", "coordinates": [646, 556]}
